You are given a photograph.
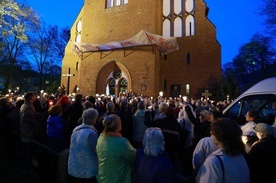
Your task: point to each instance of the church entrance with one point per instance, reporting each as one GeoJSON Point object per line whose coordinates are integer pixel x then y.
{"type": "Point", "coordinates": [113, 79]}
{"type": "Point", "coordinates": [116, 83]}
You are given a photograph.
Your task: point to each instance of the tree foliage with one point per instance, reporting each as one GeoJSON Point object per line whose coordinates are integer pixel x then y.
{"type": "Point", "coordinates": [60, 39]}
{"type": "Point", "coordinates": [28, 44]}
{"type": "Point", "coordinates": [46, 48]}
{"type": "Point", "coordinates": [268, 11]}
{"type": "Point", "coordinates": [40, 50]}
{"type": "Point", "coordinates": [16, 20]}
{"type": "Point", "coordinates": [254, 55]}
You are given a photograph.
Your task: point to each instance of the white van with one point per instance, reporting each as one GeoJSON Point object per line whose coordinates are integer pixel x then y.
{"type": "Point", "coordinates": [260, 97]}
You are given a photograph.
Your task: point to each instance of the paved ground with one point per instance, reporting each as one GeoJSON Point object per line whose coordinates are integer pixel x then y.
{"type": "Point", "coordinates": [10, 170]}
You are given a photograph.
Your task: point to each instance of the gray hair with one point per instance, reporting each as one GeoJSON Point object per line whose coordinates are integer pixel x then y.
{"type": "Point", "coordinates": [163, 106]}
{"type": "Point", "coordinates": [110, 106]}
{"type": "Point", "coordinates": [89, 116]}
{"type": "Point", "coordinates": [153, 141]}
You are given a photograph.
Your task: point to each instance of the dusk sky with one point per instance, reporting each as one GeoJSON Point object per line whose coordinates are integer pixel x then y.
{"type": "Point", "coordinates": [236, 21]}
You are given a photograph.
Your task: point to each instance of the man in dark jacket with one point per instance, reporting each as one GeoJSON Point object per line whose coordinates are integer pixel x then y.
{"type": "Point", "coordinates": [75, 111]}
{"type": "Point", "coordinates": [110, 109]}
{"type": "Point", "coordinates": [126, 120]}
{"type": "Point", "coordinates": [171, 130]}
{"type": "Point", "coordinates": [261, 158]}
{"type": "Point", "coordinates": [28, 128]}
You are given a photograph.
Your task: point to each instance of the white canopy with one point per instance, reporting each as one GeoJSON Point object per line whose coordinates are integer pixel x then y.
{"type": "Point", "coordinates": [143, 38]}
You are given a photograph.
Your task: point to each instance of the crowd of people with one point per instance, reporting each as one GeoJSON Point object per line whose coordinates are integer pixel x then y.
{"type": "Point", "coordinates": [134, 138]}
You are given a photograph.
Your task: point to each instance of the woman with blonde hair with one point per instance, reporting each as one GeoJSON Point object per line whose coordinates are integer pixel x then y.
{"type": "Point", "coordinates": [116, 155]}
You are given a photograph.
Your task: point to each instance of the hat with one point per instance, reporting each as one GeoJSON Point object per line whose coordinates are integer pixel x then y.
{"type": "Point", "coordinates": [263, 128]}
{"type": "Point", "coordinates": [55, 110]}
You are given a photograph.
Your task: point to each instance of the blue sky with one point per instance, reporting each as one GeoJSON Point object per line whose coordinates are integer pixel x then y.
{"type": "Point", "coordinates": [236, 21]}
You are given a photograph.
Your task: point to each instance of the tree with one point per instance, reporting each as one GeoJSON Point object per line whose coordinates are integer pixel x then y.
{"type": "Point", "coordinates": [60, 39]}
{"type": "Point", "coordinates": [46, 47]}
{"type": "Point", "coordinates": [229, 83]}
{"type": "Point", "coordinates": [15, 21]}
{"type": "Point", "coordinates": [40, 49]}
{"type": "Point", "coordinates": [52, 79]}
{"type": "Point", "coordinates": [254, 56]}
{"type": "Point", "coordinates": [268, 10]}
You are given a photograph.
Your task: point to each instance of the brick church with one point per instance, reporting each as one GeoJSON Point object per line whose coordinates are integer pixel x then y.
{"type": "Point", "coordinates": [144, 46]}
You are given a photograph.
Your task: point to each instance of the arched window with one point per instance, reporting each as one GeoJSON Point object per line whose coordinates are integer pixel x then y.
{"type": "Point", "coordinates": [79, 26]}
{"type": "Point", "coordinates": [178, 17]}
{"type": "Point", "coordinates": [178, 6]}
{"type": "Point", "coordinates": [188, 58]}
{"type": "Point", "coordinates": [77, 66]}
{"type": "Point", "coordinates": [112, 3]}
{"type": "Point", "coordinates": [123, 85]}
{"type": "Point", "coordinates": [178, 31]}
{"type": "Point", "coordinates": [189, 6]}
{"type": "Point", "coordinates": [78, 31]}
{"type": "Point", "coordinates": [190, 25]}
{"type": "Point", "coordinates": [117, 74]}
{"type": "Point", "coordinates": [187, 89]}
{"type": "Point", "coordinates": [112, 82]}
{"type": "Point", "coordinates": [123, 82]}
{"type": "Point", "coordinates": [166, 8]}
{"type": "Point", "coordinates": [111, 85]}
{"type": "Point", "coordinates": [167, 28]}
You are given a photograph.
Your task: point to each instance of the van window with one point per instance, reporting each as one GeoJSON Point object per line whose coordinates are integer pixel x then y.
{"type": "Point", "coordinates": [265, 104]}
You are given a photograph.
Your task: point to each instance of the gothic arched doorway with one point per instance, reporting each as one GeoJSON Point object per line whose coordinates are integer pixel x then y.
{"type": "Point", "coordinates": [116, 83]}
{"type": "Point", "coordinates": [114, 78]}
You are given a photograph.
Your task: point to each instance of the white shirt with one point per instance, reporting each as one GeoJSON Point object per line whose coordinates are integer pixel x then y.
{"type": "Point", "coordinates": [247, 129]}
{"type": "Point", "coordinates": [189, 126]}
{"type": "Point", "coordinates": [235, 169]}
{"type": "Point", "coordinates": [202, 150]}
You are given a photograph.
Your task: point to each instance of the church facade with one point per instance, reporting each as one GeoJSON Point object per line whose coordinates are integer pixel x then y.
{"type": "Point", "coordinates": [142, 68]}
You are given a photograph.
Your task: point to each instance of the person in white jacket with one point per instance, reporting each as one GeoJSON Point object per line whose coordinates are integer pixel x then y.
{"type": "Point", "coordinates": [83, 159]}
{"type": "Point", "coordinates": [227, 164]}
{"type": "Point", "coordinates": [249, 135]}
{"type": "Point", "coordinates": [203, 149]}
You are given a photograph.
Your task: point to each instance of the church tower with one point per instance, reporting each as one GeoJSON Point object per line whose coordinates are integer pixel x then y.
{"type": "Point", "coordinates": [143, 68]}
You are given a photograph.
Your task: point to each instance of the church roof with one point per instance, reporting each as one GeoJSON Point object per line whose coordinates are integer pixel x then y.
{"type": "Point", "coordinates": [143, 38]}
